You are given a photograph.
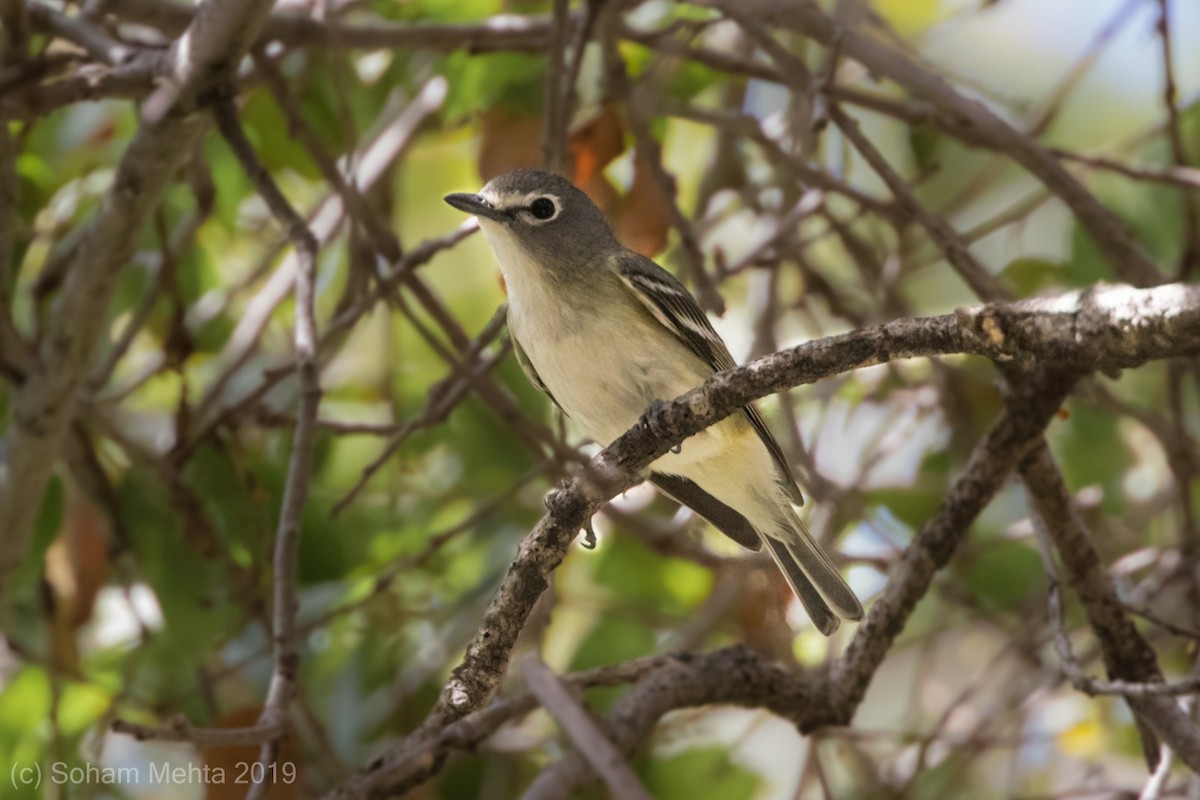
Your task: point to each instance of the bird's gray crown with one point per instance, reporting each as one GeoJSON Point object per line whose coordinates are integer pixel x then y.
{"type": "Point", "coordinates": [532, 198]}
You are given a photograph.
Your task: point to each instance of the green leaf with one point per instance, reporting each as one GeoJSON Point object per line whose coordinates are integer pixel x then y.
{"type": "Point", "coordinates": [611, 640]}
{"type": "Point", "coordinates": [706, 772]}
{"type": "Point", "coordinates": [81, 706]}
{"type": "Point", "coordinates": [268, 130]}
{"type": "Point", "coordinates": [1031, 275]}
{"type": "Point", "coordinates": [924, 142]}
{"type": "Point", "coordinates": [909, 16]}
{"type": "Point", "coordinates": [637, 575]}
{"type": "Point", "coordinates": [1094, 453]}
{"type": "Point", "coordinates": [25, 699]}
{"type": "Point", "coordinates": [478, 81]}
{"type": "Point", "coordinates": [1004, 574]}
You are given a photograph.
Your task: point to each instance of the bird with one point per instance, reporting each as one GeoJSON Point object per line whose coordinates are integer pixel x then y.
{"type": "Point", "coordinates": [606, 334]}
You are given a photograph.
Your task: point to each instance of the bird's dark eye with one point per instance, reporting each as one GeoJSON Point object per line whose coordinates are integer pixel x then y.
{"type": "Point", "coordinates": [542, 208]}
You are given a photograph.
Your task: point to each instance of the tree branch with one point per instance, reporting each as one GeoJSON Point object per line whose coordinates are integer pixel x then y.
{"type": "Point", "coordinates": [45, 403]}
{"type": "Point", "coordinates": [1129, 261]}
{"type": "Point", "coordinates": [1104, 329]}
{"type": "Point", "coordinates": [285, 660]}
{"type": "Point", "coordinates": [1127, 656]}
{"type": "Point", "coordinates": [506, 32]}
{"type": "Point", "coordinates": [1030, 409]}
{"type": "Point", "coordinates": [591, 744]}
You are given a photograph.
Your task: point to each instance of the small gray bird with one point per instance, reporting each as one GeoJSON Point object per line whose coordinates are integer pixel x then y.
{"type": "Point", "coordinates": [606, 333]}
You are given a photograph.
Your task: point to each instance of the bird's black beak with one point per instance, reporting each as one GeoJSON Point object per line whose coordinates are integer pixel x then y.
{"type": "Point", "coordinates": [474, 204]}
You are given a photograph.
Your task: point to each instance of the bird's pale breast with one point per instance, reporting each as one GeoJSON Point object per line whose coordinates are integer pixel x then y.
{"type": "Point", "coordinates": [606, 359]}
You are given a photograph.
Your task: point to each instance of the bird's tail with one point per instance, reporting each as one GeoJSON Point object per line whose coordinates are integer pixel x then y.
{"type": "Point", "coordinates": [812, 576]}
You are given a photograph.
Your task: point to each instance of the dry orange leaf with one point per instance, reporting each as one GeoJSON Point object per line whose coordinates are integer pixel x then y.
{"type": "Point", "coordinates": [643, 221]}
{"type": "Point", "coordinates": [75, 571]}
{"type": "Point", "coordinates": [640, 217]}
{"type": "Point", "coordinates": [510, 141]}
{"type": "Point", "coordinates": [597, 142]}
{"type": "Point", "coordinates": [760, 612]}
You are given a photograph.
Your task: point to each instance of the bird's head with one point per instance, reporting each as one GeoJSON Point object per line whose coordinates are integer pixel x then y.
{"type": "Point", "coordinates": [538, 220]}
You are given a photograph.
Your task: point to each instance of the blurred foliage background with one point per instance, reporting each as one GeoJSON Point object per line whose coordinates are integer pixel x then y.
{"type": "Point", "coordinates": [147, 592]}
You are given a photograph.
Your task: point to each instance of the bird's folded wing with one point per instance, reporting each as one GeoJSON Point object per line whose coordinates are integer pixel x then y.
{"type": "Point", "coordinates": [722, 517]}
{"type": "Point", "coordinates": [674, 307]}
{"type": "Point", "coordinates": [530, 372]}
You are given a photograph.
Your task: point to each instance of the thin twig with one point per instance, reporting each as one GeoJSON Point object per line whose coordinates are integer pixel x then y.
{"type": "Point", "coordinates": [557, 93]}
{"type": "Point", "coordinates": [590, 741]}
{"type": "Point", "coordinates": [442, 401]}
{"type": "Point", "coordinates": [285, 659]}
{"type": "Point", "coordinates": [1127, 655]}
{"type": "Point", "coordinates": [986, 285]}
{"type": "Point", "coordinates": [1128, 258]}
{"type": "Point", "coordinates": [1170, 94]}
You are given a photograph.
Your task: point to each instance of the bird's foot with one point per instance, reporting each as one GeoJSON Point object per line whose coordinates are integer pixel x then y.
{"type": "Point", "coordinates": [551, 502]}
{"type": "Point", "coordinates": [551, 498]}
{"type": "Point", "coordinates": [652, 421]}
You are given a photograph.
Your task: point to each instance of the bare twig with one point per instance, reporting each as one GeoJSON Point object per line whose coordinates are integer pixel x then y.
{"type": "Point", "coordinates": [94, 39]}
{"type": "Point", "coordinates": [442, 401]}
{"type": "Point", "coordinates": [1094, 687]}
{"type": "Point", "coordinates": [558, 92]}
{"type": "Point", "coordinates": [991, 461]}
{"type": "Point", "coordinates": [806, 18]}
{"type": "Point", "coordinates": [399, 125]}
{"type": "Point", "coordinates": [1187, 178]}
{"type": "Point", "coordinates": [505, 32]}
{"type": "Point", "coordinates": [590, 742]}
{"type": "Point", "coordinates": [15, 357]}
{"type": "Point", "coordinates": [649, 154]}
{"type": "Point", "coordinates": [133, 79]}
{"type": "Point", "coordinates": [285, 658]}
{"type": "Point", "coordinates": [180, 730]}
{"type": "Point", "coordinates": [986, 285]}
{"type": "Point", "coordinates": [1170, 93]}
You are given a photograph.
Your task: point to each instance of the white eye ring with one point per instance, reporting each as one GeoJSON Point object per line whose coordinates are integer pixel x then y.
{"type": "Point", "coordinates": [542, 209]}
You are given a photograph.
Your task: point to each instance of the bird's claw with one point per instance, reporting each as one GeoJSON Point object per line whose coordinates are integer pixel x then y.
{"type": "Point", "coordinates": [551, 500]}
{"type": "Point", "coordinates": [652, 421]}
{"type": "Point", "coordinates": [589, 536]}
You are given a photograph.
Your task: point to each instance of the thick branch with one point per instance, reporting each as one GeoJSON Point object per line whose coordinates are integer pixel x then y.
{"type": "Point", "coordinates": [1029, 412]}
{"type": "Point", "coordinates": [1107, 328]}
{"type": "Point", "coordinates": [1127, 656]}
{"type": "Point", "coordinates": [504, 32]}
{"type": "Point", "coordinates": [45, 403]}
{"type": "Point", "coordinates": [994, 330]}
